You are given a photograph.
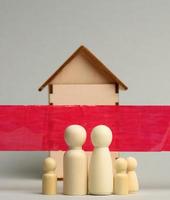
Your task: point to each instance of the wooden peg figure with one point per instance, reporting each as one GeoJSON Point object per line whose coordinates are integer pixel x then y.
{"type": "Point", "coordinates": [132, 177]}
{"type": "Point", "coordinates": [121, 177]}
{"type": "Point", "coordinates": [49, 179]}
{"type": "Point", "coordinates": [75, 162]}
{"type": "Point", "coordinates": [100, 178]}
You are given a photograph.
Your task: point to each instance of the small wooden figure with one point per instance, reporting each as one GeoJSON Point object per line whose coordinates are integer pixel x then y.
{"type": "Point", "coordinates": [75, 162]}
{"type": "Point", "coordinates": [132, 177]}
{"type": "Point", "coordinates": [100, 179]}
{"type": "Point", "coordinates": [121, 177]}
{"type": "Point", "coordinates": [49, 179]}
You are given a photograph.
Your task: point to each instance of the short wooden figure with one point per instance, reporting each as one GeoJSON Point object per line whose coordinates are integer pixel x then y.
{"type": "Point", "coordinates": [49, 182]}
{"type": "Point", "coordinates": [121, 177]}
{"type": "Point", "coordinates": [100, 178]}
{"type": "Point", "coordinates": [82, 80]}
{"type": "Point", "coordinates": [75, 162]}
{"type": "Point", "coordinates": [132, 177]}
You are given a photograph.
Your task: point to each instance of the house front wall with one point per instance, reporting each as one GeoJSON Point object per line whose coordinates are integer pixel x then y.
{"type": "Point", "coordinates": [83, 94]}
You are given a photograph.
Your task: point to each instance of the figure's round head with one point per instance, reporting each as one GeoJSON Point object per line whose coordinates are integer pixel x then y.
{"type": "Point", "coordinates": [101, 136]}
{"type": "Point", "coordinates": [131, 163]}
{"type": "Point", "coordinates": [75, 135]}
{"type": "Point", "coordinates": [49, 164]}
{"type": "Point", "coordinates": [121, 164]}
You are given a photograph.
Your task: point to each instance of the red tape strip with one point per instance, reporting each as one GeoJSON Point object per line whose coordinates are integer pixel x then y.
{"type": "Point", "coordinates": [135, 128]}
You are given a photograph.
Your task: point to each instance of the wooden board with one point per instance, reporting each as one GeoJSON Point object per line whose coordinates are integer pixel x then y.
{"type": "Point", "coordinates": [80, 71]}
{"type": "Point", "coordinates": [84, 94]}
{"type": "Point", "coordinates": [58, 156]}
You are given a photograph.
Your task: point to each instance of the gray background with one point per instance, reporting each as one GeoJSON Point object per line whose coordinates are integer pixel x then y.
{"type": "Point", "coordinates": [131, 37]}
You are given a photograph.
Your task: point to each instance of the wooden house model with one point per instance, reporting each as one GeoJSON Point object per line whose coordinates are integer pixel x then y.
{"type": "Point", "coordinates": [82, 80]}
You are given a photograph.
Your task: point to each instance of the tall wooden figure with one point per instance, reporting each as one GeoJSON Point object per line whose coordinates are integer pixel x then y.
{"type": "Point", "coordinates": [132, 177]}
{"type": "Point", "coordinates": [100, 179]}
{"type": "Point", "coordinates": [75, 162]}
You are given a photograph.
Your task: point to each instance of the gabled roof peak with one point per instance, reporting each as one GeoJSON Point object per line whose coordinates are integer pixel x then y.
{"type": "Point", "coordinates": [82, 50]}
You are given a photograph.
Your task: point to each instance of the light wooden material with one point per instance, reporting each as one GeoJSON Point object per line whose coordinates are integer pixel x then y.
{"type": "Point", "coordinates": [114, 156]}
{"type": "Point", "coordinates": [84, 94]}
{"type": "Point", "coordinates": [58, 157]}
{"type": "Point", "coordinates": [49, 178]}
{"type": "Point", "coordinates": [81, 68]}
{"type": "Point", "coordinates": [80, 71]}
{"type": "Point", "coordinates": [121, 177]}
{"type": "Point", "coordinates": [132, 177]}
{"type": "Point", "coordinates": [100, 177]}
{"type": "Point", "coordinates": [75, 162]}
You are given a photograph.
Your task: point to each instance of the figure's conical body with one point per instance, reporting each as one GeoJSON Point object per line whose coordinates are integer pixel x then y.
{"type": "Point", "coordinates": [49, 178]}
{"type": "Point", "coordinates": [100, 178]}
{"type": "Point", "coordinates": [75, 162]}
{"type": "Point", "coordinates": [121, 178]}
{"type": "Point", "coordinates": [132, 177]}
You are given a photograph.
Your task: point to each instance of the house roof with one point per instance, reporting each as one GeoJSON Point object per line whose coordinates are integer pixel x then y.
{"type": "Point", "coordinates": [93, 59]}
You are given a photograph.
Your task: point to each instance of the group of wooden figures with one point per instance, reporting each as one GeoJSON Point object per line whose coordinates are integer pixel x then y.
{"type": "Point", "coordinates": [96, 177]}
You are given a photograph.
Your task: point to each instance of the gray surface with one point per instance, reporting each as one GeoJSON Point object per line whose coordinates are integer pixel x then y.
{"type": "Point", "coordinates": [131, 37]}
{"type": "Point", "coordinates": [31, 189]}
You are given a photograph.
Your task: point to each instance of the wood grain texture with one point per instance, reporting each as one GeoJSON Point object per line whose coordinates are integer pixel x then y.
{"type": "Point", "coordinates": [83, 67]}
{"type": "Point", "coordinates": [84, 94]}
